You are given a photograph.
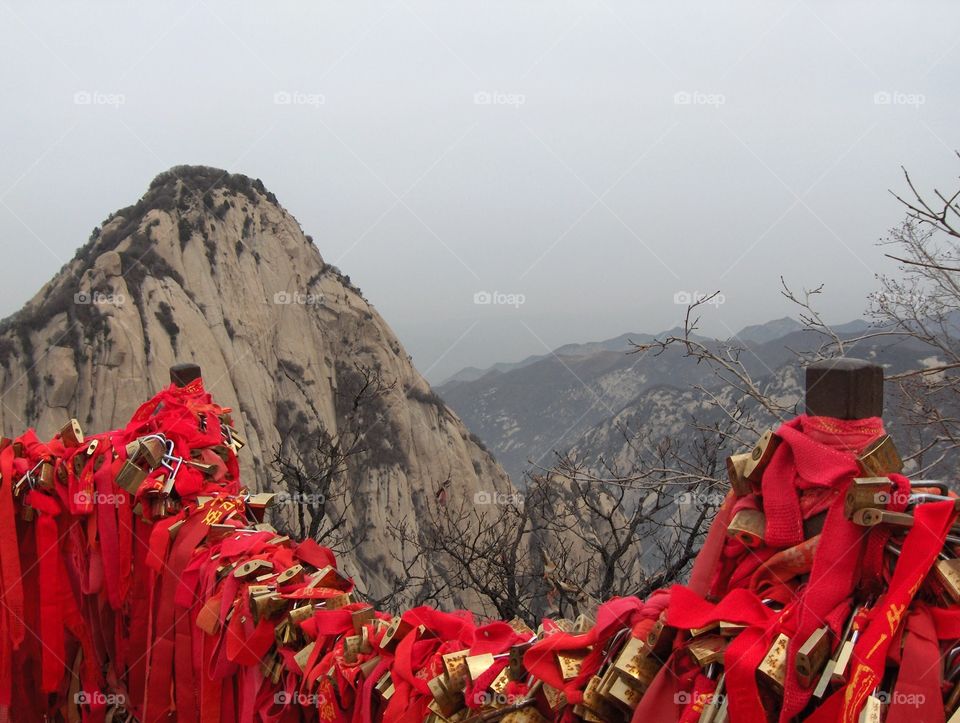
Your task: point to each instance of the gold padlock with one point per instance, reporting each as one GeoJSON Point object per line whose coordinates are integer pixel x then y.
{"type": "Point", "coordinates": [71, 434]}
{"type": "Point", "coordinates": [448, 700]}
{"type": "Point", "coordinates": [455, 665]}
{"type": "Point", "coordinates": [736, 472]}
{"type": "Point", "coordinates": [477, 665]}
{"type": "Point", "coordinates": [880, 458]}
{"type": "Point", "coordinates": [707, 649]}
{"type": "Point", "coordinates": [361, 617]}
{"type": "Point", "coordinates": [130, 477]}
{"type": "Point", "coordinates": [292, 574]}
{"type": "Point", "coordinates": [866, 492]}
{"type": "Point", "coordinates": [570, 662]}
{"type": "Point", "coordinates": [303, 656]}
{"type": "Point", "coordinates": [252, 568]}
{"type": "Point", "coordinates": [760, 456]}
{"type": "Point", "coordinates": [748, 526]}
{"type": "Point", "coordinates": [812, 656]}
{"type": "Point", "coordinates": [948, 573]}
{"type": "Point", "coordinates": [398, 629]}
{"type": "Point", "coordinates": [773, 667]}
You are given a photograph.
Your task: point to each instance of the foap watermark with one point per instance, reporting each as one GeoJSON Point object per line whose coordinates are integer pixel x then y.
{"type": "Point", "coordinates": [485, 497]}
{"type": "Point", "coordinates": [98, 298]}
{"type": "Point", "coordinates": [99, 698]}
{"type": "Point", "coordinates": [492, 698]}
{"type": "Point", "coordinates": [685, 698]}
{"type": "Point", "coordinates": [298, 698]}
{"type": "Point", "coordinates": [297, 297]}
{"type": "Point", "coordinates": [299, 498]}
{"type": "Point", "coordinates": [700, 499]}
{"type": "Point", "coordinates": [299, 97]}
{"type": "Point", "coordinates": [897, 97]}
{"type": "Point", "coordinates": [688, 298]}
{"type": "Point", "coordinates": [499, 298]}
{"type": "Point", "coordinates": [698, 97]}
{"type": "Point", "coordinates": [496, 97]}
{"type": "Point", "coordinates": [901, 699]}
{"type": "Point", "coordinates": [85, 497]}
{"type": "Point", "coordinates": [97, 97]}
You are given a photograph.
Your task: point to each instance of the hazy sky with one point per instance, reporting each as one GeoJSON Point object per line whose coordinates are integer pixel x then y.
{"type": "Point", "coordinates": [588, 159]}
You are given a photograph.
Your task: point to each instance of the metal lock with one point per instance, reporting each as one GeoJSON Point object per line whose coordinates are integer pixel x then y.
{"type": "Point", "coordinates": [515, 668]}
{"type": "Point", "coordinates": [637, 663]}
{"type": "Point", "coordinates": [292, 574]}
{"type": "Point", "coordinates": [866, 492]}
{"type": "Point", "coordinates": [384, 686]}
{"type": "Point", "coordinates": [337, 601]}
{"type": "Point", "coordinates": [736, 472]}
{"type": "Point", "coordinates": [477, 665]}
{"type": "Point", "coordinates": [252, 568]}
{"type": "Point", "coordinates": [747, 526]}
{"type": "Point", "coordinates": [760, 456]}
{"type": "Point", "coordinates": [398, 629]}
{"type": "Point", "coordinates": [361, 617]}
{"type": "Point", "coordinates": [151, 450]}
{"type": "Point", "coordinates": [45, 476]}
{"type": "Point", "coordinates": [130, 477]}
{"type": "Point", "coordinates": [625, 694]}
{"type": "Point", "coordinates": [330, 577]}
{"type": "Point", "coordinates": [773, 667]}
{"type": "Point", "coordinates": [447, 699]}
{"type": "Point", "coordinates": [596, 702]}
{"type": "Point", "coordinates": [872, 711]}
{"type": "Point", "coordinates": [812, 656]}
{"type": "Point", "coordinates": [303, 656]}
{"type": "Point", "coordinates": [71, 434]}
{"type": "Point", "coordinates": [570, 662]}
{"type": "Point", "coordinates": [880, 458]}
{"type": "Point", "coordinates": [258, 504]}
{"type": "Point", "coordinates": [707, 650]}
{"type": "Point", "coordinates": [948, 573]}
{"type": "Point", "coordinates": [455, 665]}
{"type": "Point", "coordinates": [871, 517]}
{"type": "Point", "coordinates": [351, 647]}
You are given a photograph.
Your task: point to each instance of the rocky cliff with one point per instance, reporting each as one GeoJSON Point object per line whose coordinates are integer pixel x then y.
{"type": "Point", "coordinates": [208, 267]}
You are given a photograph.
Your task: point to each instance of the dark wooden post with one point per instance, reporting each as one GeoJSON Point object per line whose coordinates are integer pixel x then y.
{"type": "Point", "coordinates": [842, 389]}
{"type": "Point", "coordinates": [845, 389]}
{"type": "Point", "coordinates": [183, 374]}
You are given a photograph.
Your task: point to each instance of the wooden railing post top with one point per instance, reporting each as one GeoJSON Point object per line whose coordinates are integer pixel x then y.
{"type": "Point", "coordinates": [182, 374]}
{"type": "Point", "coordinates": [844, 388]}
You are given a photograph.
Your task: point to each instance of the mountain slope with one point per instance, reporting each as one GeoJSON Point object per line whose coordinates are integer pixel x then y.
{"type": "Point", "coordinates": [208, 267]}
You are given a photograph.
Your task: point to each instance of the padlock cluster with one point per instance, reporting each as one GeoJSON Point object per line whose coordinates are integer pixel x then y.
{"type": "Point", "coordinates": [143, 582]}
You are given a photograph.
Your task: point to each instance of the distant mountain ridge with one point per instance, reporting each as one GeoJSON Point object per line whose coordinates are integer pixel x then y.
{"type": "Point", "coordinates": [526, 411]}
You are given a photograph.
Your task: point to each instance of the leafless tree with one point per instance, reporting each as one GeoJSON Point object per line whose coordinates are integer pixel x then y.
{"type": "Point", "coordinates": [312, 467]}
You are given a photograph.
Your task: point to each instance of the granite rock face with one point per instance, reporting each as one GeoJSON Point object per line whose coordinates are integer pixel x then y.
{"type": "Point", "coordinates": [207, 267]}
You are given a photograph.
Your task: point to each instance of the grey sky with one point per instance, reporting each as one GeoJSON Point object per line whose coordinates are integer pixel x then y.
{"type": "Point", "coordinates": [435, 150]}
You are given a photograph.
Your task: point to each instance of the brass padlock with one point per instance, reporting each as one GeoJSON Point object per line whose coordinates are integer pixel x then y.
{"type": "Point", "coordinates": [596, 702]}
{"type": "Point", "coordinates": [948, 573]}
{"type": "Point", "coordinates": [570, 662]}
{"type": "Point", "coordinates": [477, 665]}
{"type": "Point", "coordinates": [151, 450]}
{"type": "Point", "coordinates": [71, 434]}
{"type": "Point", "coordinates": [747, 526]}
{"type": "Point", "coordinates": [760, 456]}
{"type": "Point", "coordinates": [361, 617]}
{"type": "Point", "coordinates": [292, 574]}
{"type": "Point", "coordinates": [130, 477]}
{"type": "Point", "coordinates": [812, 656]}
{"type": "Point", "coordinates": [880, 458]}
{"type": "Point", "coordinates": [625, 694]}
{"type": "Point", "coordinates": [447, 699]}
{"type": "Point", "coordinates": [872, 711]}
{"type": "Point", "coordinates": [871, 517]}
{"type": "Point", "coordinates": [736, 472]}
{"type": "Point", "coordinates": [515, 668]}
{"type": "Point", "coordinates": [773, 667]}
{"type": "Point", "coordinates": [455, 665]}
{"type": "Point", "coordinates": [303, 656]}
{"type": "Point", "coordinates": [866, 492]}
{"type": "Point", "coordinates": [384, 686]}
{"type": "Point", "coordinates": [399, 628]}
{"type": "Point", "coordinates": [252, 568]}
{"type": "Point", "coordinates": [707, 649]}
